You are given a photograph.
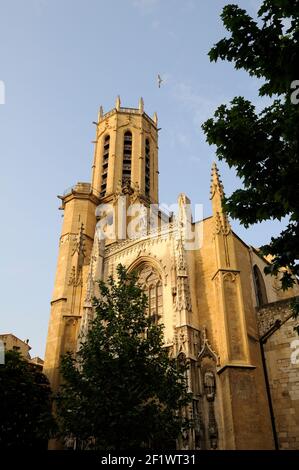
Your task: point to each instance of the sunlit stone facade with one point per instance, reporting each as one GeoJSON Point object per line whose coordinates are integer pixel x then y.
{"type": "Point", "coordinates": [205, 293]}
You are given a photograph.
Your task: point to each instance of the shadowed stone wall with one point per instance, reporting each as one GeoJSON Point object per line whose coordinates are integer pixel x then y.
{"type": "Point", "coordinates": [282, 360]}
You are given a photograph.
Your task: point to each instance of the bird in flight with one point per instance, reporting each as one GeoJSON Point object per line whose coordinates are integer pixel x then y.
{"type": "Point", "coordinates": [160, 80]}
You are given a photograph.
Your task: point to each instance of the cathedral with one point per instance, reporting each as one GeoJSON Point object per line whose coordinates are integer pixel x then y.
{"type": "Point", "coordinates": [203, 282]}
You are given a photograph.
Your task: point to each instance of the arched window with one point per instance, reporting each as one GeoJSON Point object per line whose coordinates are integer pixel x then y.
{"type": "Point", "coordinates": [151, 282]}
{"type": "Point", "coordinates": [147, 167]}
{"type": "Point", "coordinates": [260, 287]}
{"type": "Point", "coordinates": [127, 158]}
{"type": "Point", "coordinates": [105, 165]}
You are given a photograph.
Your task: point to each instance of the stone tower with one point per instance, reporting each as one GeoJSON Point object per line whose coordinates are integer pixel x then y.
{"type": "Point", "coordinates": [125, 157]}
{"type": "Point", "coordinates": [126, 152]}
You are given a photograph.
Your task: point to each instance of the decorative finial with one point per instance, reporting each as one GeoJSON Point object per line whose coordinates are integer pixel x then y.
{"type": "Point", "coordinates": [155, 118]}
{"type": "Point", "coordinates": [117, 103]}
{"type": "Point", "coordinates": [100, 114]}
{"type": "Point", "coordinates": [141, 105]}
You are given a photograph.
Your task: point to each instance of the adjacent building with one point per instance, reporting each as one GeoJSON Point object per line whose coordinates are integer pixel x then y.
{"type": "Point", "coordinates": [12, 343]}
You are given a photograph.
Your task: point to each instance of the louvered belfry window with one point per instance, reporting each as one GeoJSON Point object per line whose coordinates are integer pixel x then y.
{"type": "Point", "coordinates": [147, 168]}
{"type": "Point", "coordinates": [151, 282]}
{"type": "Point", "coordinates": [105, 165]}
{"type": "Point", "coordinates": [127, 158]}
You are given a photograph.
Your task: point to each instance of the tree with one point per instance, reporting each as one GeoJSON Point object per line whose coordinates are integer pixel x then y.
{"type": "Point", "coordinates": [121, 390]}
{"type": "Point", "coordinates": [25, 405]}
{"type": "Point", "coordinates": [263, 147]}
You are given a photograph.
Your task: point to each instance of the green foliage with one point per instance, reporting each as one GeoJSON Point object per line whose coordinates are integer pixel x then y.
{"type": "Point", "coordinates": [25, 405]}
{"type": "Point", "coordinates": [263, 147]}
{"type": "Point", "coordinates": [295, 308]}
{"type": "Point", "coordinates": [122, 390]}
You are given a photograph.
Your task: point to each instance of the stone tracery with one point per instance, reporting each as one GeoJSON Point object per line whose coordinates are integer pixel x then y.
{"type": "Point", "coordinates": [151, 282]}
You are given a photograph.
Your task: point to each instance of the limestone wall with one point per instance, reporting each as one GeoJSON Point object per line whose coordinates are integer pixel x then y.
{"type": "Point", "coordinates": [283, 370]}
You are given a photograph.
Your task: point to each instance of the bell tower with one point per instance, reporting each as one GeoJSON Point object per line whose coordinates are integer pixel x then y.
{"type": "Point", "coordinates": [125, 162]}
{"type": "Point", "coordinates": [126, 153]}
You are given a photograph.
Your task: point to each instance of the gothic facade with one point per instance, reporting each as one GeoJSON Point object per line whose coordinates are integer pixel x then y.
{"type": "Point", "coordinates": [206, 294]}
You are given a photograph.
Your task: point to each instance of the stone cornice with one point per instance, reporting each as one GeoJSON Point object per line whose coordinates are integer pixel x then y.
{"type": "Point", "coordinates": [64, 299]}
{"type": "Point", "coordinates": [221, 270]}
{"type": "Point", "coordinates": [232, 365]}
{"type": "Point", "coordinates": [74, 194]}
{"type": "Point", "coordinates": [122, 110]}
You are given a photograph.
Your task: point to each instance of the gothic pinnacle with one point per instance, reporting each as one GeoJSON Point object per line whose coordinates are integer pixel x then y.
{"type": "Point", "coordinates": [217, 195]}
{"type": "Point", "coordinates": [141, 105]}
{"type": "Point", "coordinates": [216, 183]}
{"type": "Point", "coordinates": [117, 103]}
{"type": "Point", "coordinates": [100, 113]}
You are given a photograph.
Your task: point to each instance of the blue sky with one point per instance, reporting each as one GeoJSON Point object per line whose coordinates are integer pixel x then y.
{"type": "Point", "coordinates": [60, 60]}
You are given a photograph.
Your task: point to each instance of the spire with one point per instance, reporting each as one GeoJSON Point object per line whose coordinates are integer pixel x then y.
{"type": "Point", "coordinates": [141, 105]}
{"type": "Point", "coordinates": [155, 118]}
{"type": "Point", "coordinates": [217, 195]}
{"type": "Point", "coordinates": [117, 103]}
{"type": "Point", "coordinates": [216, 183]}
